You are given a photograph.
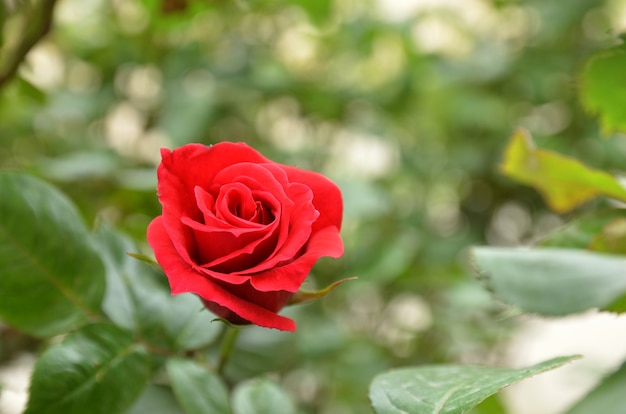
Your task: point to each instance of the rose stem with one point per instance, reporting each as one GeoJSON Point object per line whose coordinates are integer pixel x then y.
{"type": "Point", "coordinates": [227, 347]}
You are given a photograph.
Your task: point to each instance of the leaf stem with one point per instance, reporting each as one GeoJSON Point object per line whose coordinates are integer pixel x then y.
{"type": "Point", "coordinates": [227, 347]}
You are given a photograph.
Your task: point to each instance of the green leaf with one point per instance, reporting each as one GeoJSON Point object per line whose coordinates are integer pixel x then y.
{"type": "Point", "coordinates": [52, 278]}
{"type": "Point", "coordinates": [443, 389]}
{"type": "Point", "coordinates": [492, 405]}
{"type": "Point", "coordinates": [303, 296]}
{"type": "Point", "coordinates": [261, 396]}
{"type": "Point", "coordinates": [187, 323]}
{"type": "Point", "coordinates": [197, 390]}
{"type": "Point", "coordinates": [553, 281]}
{"type": "Point", "coordinates": [138, 298]}
{"type": "Point", "coordinates": [564, 182]}
{"type": "Point", "coordinates": [156, 399]}
{"type": "Point", "coordinates": [607, 398]}
{"type": "Point", "coordinates": [98, 369]}
{"type": "Point", "coordinates": [601, 80]}
{"type": "Point", "coordinates": [119, 303]}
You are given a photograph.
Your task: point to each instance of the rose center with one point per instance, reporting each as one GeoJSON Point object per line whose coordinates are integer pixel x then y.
{"type": "Point", "coordinates": [245, 206]}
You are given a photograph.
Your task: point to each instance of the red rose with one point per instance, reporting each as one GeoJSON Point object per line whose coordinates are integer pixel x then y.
{"type": "Point", "coordinates": [240, 231]}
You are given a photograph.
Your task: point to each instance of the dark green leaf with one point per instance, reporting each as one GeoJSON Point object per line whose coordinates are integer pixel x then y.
{"type": "Point", "coordinates": [52, 279]}
{"type": "Point", "coordinates": [601, 78]}
{"type": "Point", "coordinates": [261, 396]}
{"type": "Point", "coordinates": [552, 281]}
{"type": "Point", "coordinates": [98, 369]}
{"type": "Point", "coordinates": [446, 389]}
{"type": "Point", "coordinates": [118, 302]}
{"type": "Point", "coordinates": [156, 399]}
{"type": "Point", "coordinates": [198, 390]}
{"type": "Point", "coordinates": [138, 298]}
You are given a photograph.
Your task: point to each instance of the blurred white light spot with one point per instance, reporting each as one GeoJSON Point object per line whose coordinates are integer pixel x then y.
{"type": "Point", "coordinates": [548, 119]}
{"type": "Point", "coordinates": [304, 384]}
{"type": "Point", "coordinates": [281, 123]}
{"type": "Point", "coordinates": [434, 34]}
{"type": "Point", "coordinates": [77, 12]}
{"type": "Point", "coordinates": [599, 337]}
{"type": "Point", "coordinates": [409, 312]}
{"type": "Point", "coordinates": [509, 225]}
{"type": "Point", "coordinates": [398, 10]}
{"type": "Point", "coordinates": [385, 63]}
{"type": "Point", "coordinates": [141, 84]}
{"type": "Point", "coordinates": [144, 85]}
{"type": "Point", "coordinates": [44, 66]}
{"type": "Point", "coordinates": [15, 377]}
{"type": "Point", "coordinates": [616, 9]}
{"type": "Point", "coordinates": [403, 318]}
{"type": "Point", "coordinates": [124, 125]}
{"type": "Point", "coordinates": [132, 16]}
{"type": "Point", "coordinates": [362, 155]}
{"type": "Point", "coordinates": [297, 47]}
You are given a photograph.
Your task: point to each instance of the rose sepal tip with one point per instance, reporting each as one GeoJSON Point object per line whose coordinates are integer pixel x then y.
{"type": "Point", "coordinates": [303, 296]}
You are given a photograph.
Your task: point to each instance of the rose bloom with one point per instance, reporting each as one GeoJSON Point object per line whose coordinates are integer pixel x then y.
{"type": "Point", "coordinates": [240, 231]}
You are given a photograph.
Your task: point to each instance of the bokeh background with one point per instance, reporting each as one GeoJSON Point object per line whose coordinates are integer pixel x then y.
{"type": "Point", "coordinates": [406, 104]}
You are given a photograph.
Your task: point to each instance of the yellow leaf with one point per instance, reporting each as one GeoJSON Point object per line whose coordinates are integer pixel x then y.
{"type": "Point", "coordinates": [564, 182]}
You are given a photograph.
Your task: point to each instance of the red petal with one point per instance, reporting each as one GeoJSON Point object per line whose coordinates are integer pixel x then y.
{"type": "Point", "coordinates": [183, 278]}
{"type": "Point", "coordinates": [327, 196]}
{"type": "Point", "coordinates": [291, 276]}
{"type": "Point", "coordinates": [185, 168]}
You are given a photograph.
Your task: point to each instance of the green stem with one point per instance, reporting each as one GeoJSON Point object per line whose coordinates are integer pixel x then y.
{"type": "Point", "coordinates": [227, 347]}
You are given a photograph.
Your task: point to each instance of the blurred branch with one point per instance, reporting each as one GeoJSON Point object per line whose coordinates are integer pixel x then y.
{"type": "Point", "coordinates": [38, 22]}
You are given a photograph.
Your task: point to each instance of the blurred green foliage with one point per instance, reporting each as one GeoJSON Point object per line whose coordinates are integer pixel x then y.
{"type": "Point", "coordinates": [408, 111]}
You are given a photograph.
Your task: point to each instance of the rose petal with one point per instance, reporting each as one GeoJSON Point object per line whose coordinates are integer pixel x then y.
{"type": "Point", "coordinates": [290, 276]}
{"type": "Point", "coordinates": [327, 196]}
{"type": "Point", "coordinates": [184, 168]}
{"type": "Point", "coordinates": [239, 206]}
{"type": "Point", "coordinates": [236, 205]}
{"type": "Point", "coordinates": [225, 252]}
{"type": "Point", "coordinates": [296, 233]}
{"type": "Point", "coordinates": [176, 206]}
{"type": "Point", "coordinates": [198, 164]}
{"type": "Point", "coordinates": [212, 222]}
{"type": "Point", "coordinates": [183, 279]}
{"type": "Point", "coordinates": [258, 226]}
